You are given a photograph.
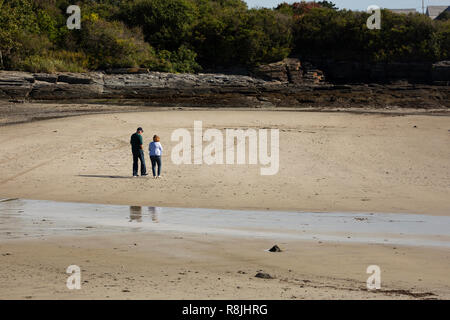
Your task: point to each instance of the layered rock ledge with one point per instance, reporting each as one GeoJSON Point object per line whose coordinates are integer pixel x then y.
{"type": "Point", "coordinates": [293, 89]}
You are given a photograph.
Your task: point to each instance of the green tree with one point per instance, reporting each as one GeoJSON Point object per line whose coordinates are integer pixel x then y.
{"type": "Point", "coordinates": [17, 19]}
{"type": "Point", "coordinates": [327, 4]}
{"type": "Point", "coordinates": [343, 35]}
{"type": "Point", "coordinates": [112, 44]}
{"type": "Point", "coordinates": [165, 23]}
{"type": "Point", "coordinates": [182, 60]}
{"type": "Point", "coordinates": [226, 35]}
{"type": "Point", "coordinates": [404, 38]}
{"type": "Point", "coordinates": [264, 37]}
{"type": "Point", "coordinates": [443, 39]}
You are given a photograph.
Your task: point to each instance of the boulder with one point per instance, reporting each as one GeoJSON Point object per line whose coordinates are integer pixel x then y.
{"type": "Point", "coordinates": [263, 275]}
{"type": "Point", "coordinates": [275, 248]}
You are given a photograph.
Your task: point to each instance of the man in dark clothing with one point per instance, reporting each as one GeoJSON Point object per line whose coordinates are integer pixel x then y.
{"type": "Point", "coordinates": [136, 142]}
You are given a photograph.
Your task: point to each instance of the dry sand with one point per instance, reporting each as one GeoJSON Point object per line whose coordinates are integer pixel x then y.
{"type": "Point", "coordinates": [328, 162]}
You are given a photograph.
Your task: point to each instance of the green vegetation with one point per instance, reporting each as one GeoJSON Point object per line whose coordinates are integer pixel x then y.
{"type": "Point", "coordinates": [342, 35]}
{"type": "Point", "coordinates": [191, 35]}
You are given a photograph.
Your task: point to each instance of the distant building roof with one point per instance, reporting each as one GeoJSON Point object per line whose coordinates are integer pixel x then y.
{"type": "Point", "coordinates": [434, 11]}
{"type": "Point", "coordinates": [403, 11]}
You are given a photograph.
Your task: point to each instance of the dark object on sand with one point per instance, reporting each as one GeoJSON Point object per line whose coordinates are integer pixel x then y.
{"type": "Point", "coordinates": [275, 248]}
{"type": "Point", "coordinates": [264, 275]}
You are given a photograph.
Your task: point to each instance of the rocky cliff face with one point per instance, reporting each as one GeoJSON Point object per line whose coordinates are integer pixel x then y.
{"type": "Point", "coordinates": [351, 72]}
{"type": "Point", "coordinates": [440, 73]}
{"type": "Point", "coordinates": [288, 84]}
{"type": "Point", "coordinates": [95, 85]}
{"type": "Point", "coordinates": [290, 71]}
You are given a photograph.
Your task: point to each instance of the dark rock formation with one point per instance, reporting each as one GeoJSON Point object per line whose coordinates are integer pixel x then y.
{"type": "Point", "coordinates": [263, 275]}
{"type": "Point", "coordinates": [440, 73]}
{"type": "Point", "coordinates": [287, 84]}
{"type": "Point", "coordinates": [289, 70]}
{"type": "Point", "coordinates": [127, 71]}
{"type": "Point", "coordinates": [74, 79]}
{"type": "Point", "coordinates": [275, 248]}
{"type": "Point", "coordinates": [412, 72]}
{"type": "Point", "coordinates": [275, 71]}
{"type": "Point", "coordinates": [51, 78]}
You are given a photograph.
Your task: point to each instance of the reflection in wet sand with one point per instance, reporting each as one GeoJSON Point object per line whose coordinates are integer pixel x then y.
{"type": "Point", "coordinates": [135, 213]}
{"type": "Point", "coordinates": [33, 218]}
{"type": "Point", "coordinates": [154, 212]}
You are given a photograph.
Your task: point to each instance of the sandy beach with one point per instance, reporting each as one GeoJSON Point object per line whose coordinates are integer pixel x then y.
{"type": "Point", "coordinates": [174, 266]}
{"type": "Point", "coordinates": [305, 151]}
{"type": "Point", "coordinates": [329, 162]}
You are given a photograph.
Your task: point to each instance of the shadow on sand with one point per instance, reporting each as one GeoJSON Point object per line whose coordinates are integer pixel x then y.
{"type": "Point", "coordinates": [104, 176]}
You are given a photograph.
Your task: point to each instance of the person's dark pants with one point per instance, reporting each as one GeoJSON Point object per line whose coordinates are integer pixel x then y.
{"type": "Point", "coordinates": [139, 155]}
{"type": "Point", "coordinates": [156, 160]}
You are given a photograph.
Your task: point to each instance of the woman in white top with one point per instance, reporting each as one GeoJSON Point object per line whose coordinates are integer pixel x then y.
{"type": "Point", "coordinates": [155, 148]}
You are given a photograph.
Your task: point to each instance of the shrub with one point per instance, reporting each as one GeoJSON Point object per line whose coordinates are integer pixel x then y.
{"type": "Point", "coordinates": [54, 62]}
{"type": "Point", "coordinates": [443, 39]}
{"type": "Point", "coordinates": [182, 60]}
{"type": "Point", "coordinates": [165, 23]}
{"type": "Point", "coordinates": [113, 45]}
{"type": "Point", "coordinates": [266, 37]}
{"type": "Point", "coordinates": [186, 35]}
{"type": "Point", "coordinates": [343, 35]}
{"type": "Point", "coordinates": [228, 36]}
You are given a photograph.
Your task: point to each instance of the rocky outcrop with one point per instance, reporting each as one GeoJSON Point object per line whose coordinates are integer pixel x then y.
{"type": "Point", "coordinates": [220, 90]}
{"type": "Point", "coordinates": [97, 85]}
{"type": "Point", "coordinates": [290, 70]}
{"type": "Point", "coordinates": [413, 72]}
{"type": "Point", "coordinates": [15, 84]}
{"type": "Point", "coordinates": [293, 71]}
{"type": "Point", "coordinates": [440, 73]}
{"type": "Point", "coordinates": [275, 71]}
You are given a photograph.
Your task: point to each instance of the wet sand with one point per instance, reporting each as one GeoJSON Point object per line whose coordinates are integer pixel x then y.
{"type": "Point", "coordinates": [329, 162]}
{"type": "Point", "coordinates": [173, 265]}
{"type": "Point", "coordinates": [141, 253]}
{"type": "Point", "coordinates": [24, 219]}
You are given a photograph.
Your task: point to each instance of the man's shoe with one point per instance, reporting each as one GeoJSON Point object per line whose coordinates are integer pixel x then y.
{"type": "Point", "coordinates": [135, 176]}
{"type": "Point", "coordinates": [145, 174]}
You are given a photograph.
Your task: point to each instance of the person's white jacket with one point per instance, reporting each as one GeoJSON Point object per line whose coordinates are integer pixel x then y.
{"type": "Point", "coordinates": [155, 148]}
